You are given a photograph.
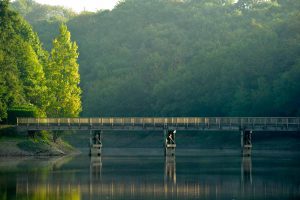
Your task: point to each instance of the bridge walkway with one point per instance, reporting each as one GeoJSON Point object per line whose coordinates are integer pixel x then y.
{"type": "Point", "coordinates": [159, 123]}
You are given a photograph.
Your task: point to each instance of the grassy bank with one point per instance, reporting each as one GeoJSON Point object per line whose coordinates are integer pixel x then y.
{"type": "Point", "coordinates": [13, 143]}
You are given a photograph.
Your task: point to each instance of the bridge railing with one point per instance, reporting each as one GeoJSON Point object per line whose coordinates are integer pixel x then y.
{"type": "Point", "coordinates": [204, 122]}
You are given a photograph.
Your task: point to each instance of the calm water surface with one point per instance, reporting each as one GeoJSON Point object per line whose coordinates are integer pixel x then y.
{"type": "Point", "coordinates": [198, 177]}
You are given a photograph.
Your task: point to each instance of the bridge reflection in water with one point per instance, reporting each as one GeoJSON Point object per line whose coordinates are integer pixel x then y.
{"type": "Point", "coordinates": [118, 181]}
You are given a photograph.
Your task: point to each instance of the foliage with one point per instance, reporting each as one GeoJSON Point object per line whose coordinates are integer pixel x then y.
{"type": "Point", "coordinates": [33, 11]}
{"type": "Point", "coordinates": [192, 58]}
{"type": "Point", "coordinates": [44, 17]}
{"type": "Point", "coordinates": [14, 112]}
{"type": "Point", "coordinates": [23, 63]}
{"type": "Point", "coordinates": [63, 77]}
{"type": "Point", "coordinates": [188, 58]}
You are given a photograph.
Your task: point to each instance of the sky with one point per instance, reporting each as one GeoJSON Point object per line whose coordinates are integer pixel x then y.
{"type": "Point", "coordinates": [81, 5]}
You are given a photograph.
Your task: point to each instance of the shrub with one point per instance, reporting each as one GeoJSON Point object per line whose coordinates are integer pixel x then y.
{"type": "Point", "coordinates": [22, 111]}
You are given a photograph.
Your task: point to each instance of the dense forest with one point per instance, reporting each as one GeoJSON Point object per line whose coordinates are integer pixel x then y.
{"type": "Point", "coordinates": [33, 81]}
{"type": "Point", "coordinates": [181, 58]}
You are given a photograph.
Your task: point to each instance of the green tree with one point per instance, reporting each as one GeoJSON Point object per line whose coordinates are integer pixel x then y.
{"type": "Point", "coordinates": [186, 58]}
{"type": "Point", "coordinates": [63, 77]}
{"type": "Point", "coordinates": [32, 76]}
{"type": "Point", "coordinates": [22, 75]}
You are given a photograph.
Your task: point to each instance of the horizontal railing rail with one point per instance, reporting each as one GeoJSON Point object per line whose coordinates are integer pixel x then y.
{"type": "Point", "coordinates": [164, 122]}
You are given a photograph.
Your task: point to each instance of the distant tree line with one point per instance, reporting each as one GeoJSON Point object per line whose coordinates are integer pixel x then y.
{"type": "Point", "coordinates": [187, 58]}
{"type": "Point", "coordinates": [33, 80]}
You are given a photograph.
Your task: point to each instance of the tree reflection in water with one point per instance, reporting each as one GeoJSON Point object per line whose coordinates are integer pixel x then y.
{"type": "Point", "coordinates": [149, 178]}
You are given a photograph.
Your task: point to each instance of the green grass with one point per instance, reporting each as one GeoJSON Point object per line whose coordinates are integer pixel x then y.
{"type": "Point", "coordinates": [40, 142]}
{"type": "Point", "coordinates": [32, 146]}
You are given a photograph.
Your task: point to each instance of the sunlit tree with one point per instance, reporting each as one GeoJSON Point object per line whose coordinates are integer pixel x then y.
{"type": "Point", "coordinates": [63, 77]}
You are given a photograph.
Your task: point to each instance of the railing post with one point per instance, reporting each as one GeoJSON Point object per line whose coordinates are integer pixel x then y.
{"type": "Point", "coordinates": [207, 122]}
{"type": "Point", "coordinates": [91, 135]}
{"type": "Point", "coordinates": [241, 122]}
{"type": "Point", "coordinates": [265, 122]}
{"type": "Point", "coordinates": [187, 122]}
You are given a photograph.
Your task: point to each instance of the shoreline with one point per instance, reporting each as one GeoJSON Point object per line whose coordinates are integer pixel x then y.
{"type": "Point", "coordinates": [25, 147]}
{"type": "Point", "coordinates": [19, 144]}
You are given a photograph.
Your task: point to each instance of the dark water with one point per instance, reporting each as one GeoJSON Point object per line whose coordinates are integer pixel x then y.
{"type": "Point", "coordinates": [214, 176]}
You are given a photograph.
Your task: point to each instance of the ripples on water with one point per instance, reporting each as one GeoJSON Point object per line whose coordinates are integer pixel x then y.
{"type": "Point", "coordinates": [143, 177]}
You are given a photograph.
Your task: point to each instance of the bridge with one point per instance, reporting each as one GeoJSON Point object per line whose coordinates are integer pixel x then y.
{"type": "Point", "coordinates": [169, 126]}
{"type": "Point", "coordinates": [160, 123]}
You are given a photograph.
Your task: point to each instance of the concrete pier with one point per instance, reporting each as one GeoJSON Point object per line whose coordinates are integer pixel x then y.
{"type": "Point", "coordinates": [246, 142]}
{"type": "Point", "coordinates": [95, 143]}
{"type": "Point", "coordinates": [169, 142]}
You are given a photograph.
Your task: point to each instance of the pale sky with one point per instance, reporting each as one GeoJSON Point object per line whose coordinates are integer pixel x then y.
{"type": "Point", "coordinates": [80, 5]}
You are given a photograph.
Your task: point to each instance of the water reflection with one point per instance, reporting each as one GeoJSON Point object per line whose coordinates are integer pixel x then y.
{"type": "Point", "coordinates": [170, 169]}
{"type": "Point", "coordinates": [95, 168]}
{"type": "Point", "coordinates": [28, 178]}
{"type": "Point", "coordinates": [150, 178]}
{"type": "Point", "coordinates": [246, 176]}
{"type": "Point", "coordinates": [246, 171]}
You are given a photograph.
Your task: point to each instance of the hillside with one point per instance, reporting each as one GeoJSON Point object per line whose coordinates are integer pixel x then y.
{"type": "Point", "coordinates": [190, 58]}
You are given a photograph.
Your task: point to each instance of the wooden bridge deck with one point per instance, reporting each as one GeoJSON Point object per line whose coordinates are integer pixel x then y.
{"type": "Point", "coordinates": [160, 123]}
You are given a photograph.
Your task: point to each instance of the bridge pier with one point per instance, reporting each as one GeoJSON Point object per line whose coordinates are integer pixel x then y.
{"type": "Point", "coordinates": [95, 143]}
{"type": "Point", "coordinates": [246, 142]}
{"type": "Point", "coordinates": [169, 142]}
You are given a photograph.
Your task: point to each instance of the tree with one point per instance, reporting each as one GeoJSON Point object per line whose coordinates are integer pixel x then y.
{"type": "Point", "coordinates": [22, 75]}
{"type": "Point", "coordinates": [63, 77]}
{"type": "Point", "coordinates": [247, 4]}
{"type": "Point", "coordinates": [187, 58]}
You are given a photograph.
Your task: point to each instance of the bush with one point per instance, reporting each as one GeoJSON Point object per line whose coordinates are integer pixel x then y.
{"type": "Point", "coordinates": [24, 111]}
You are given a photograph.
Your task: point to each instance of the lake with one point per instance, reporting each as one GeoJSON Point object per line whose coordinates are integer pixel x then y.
{"type": "Point", "coordinates": [208, 175]}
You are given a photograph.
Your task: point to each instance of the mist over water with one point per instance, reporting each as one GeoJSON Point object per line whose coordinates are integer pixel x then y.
{"type": "Point", "coordinates": [210, 175]}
